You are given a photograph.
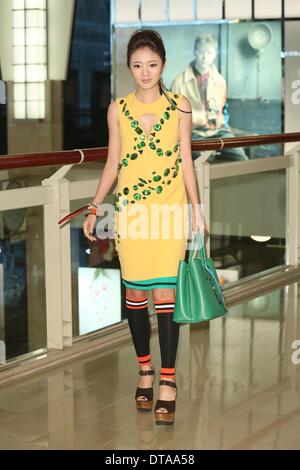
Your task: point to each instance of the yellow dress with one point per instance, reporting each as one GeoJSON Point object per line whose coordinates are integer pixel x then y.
{"type": "Point", "coordinates": [151, 217]}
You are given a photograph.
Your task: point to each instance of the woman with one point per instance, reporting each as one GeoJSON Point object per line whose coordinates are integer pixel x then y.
{"type": "Point", "coordinates": [146, 130]}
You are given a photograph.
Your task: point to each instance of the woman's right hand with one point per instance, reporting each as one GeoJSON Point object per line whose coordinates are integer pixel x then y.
{"type": "Point", "coordinates": [88, 227]}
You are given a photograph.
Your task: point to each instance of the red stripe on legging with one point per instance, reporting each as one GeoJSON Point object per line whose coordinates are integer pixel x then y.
{"type": "Point", "coordinates": [137, 307]}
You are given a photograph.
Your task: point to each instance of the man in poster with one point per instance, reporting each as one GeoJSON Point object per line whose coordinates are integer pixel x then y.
{"type": "Point", "coordinates": [206, 89]}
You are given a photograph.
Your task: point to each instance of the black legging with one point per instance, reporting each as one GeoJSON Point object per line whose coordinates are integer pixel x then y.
{"type": "Point", "coordinates": [168, 331]}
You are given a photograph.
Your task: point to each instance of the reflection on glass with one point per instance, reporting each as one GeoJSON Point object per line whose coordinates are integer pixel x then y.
{"type": "Point", "coordinates": [22, 283]}
{"type": "Point", "coordinates": [247, 227]}
{"type": "Point", "coordinates": [97, 290]}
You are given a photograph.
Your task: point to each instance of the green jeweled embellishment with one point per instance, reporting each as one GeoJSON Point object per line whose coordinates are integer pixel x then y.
{"type": "Point", "coordinates": [157, 141]}
{"type": "Point", "coordinates": [157, 178]}
{"type": "Point", "coordinates": [146, 192]}
{"type": "Point", "coordinates": [167, 115]}
{"type": "Point", "coordinates": [168, 153]}
{"type": "Point", "coordinates": [152, 145]}
{"type": "Point", "coordinates": [157, 127]}
{"type": "Point", "coordinates": [118, 209]}
{"type": "Point", "coordinates": [136, 187]}
{"type": "Point", "coordinates": [159, 189]}
{"type": "Point", "coordinates": [137, 197]}
{"type": "Point", "coordinates": [134, 124]}
{"type": "Point", "coordinates": [127, 113]}
{"type": "Point", "coordinates": [138, 130]}
{"type": "Point", "coordinates": [141, 145]}
{"type": "Point", "coordinates": [142, 137]}
{"type": "Point", "coordinates": [122, 101]}
{"type": "Point", "coordinates": [125, 202]}
{"type": "Point", "coordinates": [125, 162]}
{"type": "Point", "coordinates": [167, 172]}
{"type": "Point", "coordinates": [141, 185]}
{"type": "Point", "coordinates": [173, 101]}
{"type": "Point", "coordinates": [134, 156]}
{"type": "Point", "coordinates": [143, 181]}
{"type": "Point", "coordinates": [126, 191]}
{"type": "Point", "coordinates": [173, 108]}
{"type": "Point", "coordinates": [159, 152]}
{"type": "Point", "coordinates": [176, 148]}
{"type": "Point", "coordinates": [175, 174]}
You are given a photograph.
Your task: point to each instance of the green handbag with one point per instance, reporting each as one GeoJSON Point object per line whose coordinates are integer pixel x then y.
{"type": "Point", "coordinates": [199, 295]}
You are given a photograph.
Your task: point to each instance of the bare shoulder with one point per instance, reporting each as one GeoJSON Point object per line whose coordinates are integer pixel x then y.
{"type": "Point", "coordinates": [113, 107]}
{"type": "Point", "coordinates": [185, 104]}
{"type": "Point", "coordinates": [112, 112]}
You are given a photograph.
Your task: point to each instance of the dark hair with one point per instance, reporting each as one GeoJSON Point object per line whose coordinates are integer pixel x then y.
{"type": "Point", "coordinates": [152, 39]}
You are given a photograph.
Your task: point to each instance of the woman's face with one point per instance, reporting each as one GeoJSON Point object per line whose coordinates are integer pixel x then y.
{"type": "Point", "coordinates": [146, 67]}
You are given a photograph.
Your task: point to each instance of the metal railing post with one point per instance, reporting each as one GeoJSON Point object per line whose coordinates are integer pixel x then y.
{"type": "Point", "coordinates": [58, 266]}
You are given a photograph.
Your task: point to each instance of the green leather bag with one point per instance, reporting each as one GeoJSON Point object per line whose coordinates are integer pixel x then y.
{"type": "Point", "coordinates": [199, 295]}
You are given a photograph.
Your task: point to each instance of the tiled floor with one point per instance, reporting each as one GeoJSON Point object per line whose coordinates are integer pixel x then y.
{"type": "Point", "coordinates": [238, 388]}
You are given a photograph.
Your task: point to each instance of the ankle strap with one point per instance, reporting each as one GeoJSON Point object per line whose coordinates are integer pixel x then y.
{"type": "Point", "coordinates": [167, 382]}
{"type": "Point", "coordinates": [147, 372]}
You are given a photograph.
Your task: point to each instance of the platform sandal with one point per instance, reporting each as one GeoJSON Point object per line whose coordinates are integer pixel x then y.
{"type": "Point", "coordinates": [169, 405]}
{"type": "Point", "coordinates": [145, 405]}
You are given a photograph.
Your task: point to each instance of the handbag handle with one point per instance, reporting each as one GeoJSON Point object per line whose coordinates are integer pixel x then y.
{"type": "Point", "coordinates": [201, 251]}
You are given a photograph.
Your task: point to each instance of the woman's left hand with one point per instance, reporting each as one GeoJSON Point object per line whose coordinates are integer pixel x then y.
{"type": "Point", "coordinates": [198, 222]}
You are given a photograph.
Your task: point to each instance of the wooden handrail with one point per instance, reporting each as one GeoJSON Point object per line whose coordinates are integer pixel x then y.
{"type": "Point", "coordinates": [97, 154]}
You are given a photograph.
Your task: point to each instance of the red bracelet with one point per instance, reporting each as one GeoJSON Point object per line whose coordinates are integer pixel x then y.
{"type": "Point", "coordinates": [93, 211]}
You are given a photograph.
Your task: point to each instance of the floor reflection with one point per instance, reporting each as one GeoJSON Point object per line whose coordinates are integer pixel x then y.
{"type": "Point", "coordinates": [238, 388]}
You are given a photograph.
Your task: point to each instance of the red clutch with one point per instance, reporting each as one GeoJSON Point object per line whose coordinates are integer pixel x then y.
{"type": "Point", "coordinates": [73, 214]}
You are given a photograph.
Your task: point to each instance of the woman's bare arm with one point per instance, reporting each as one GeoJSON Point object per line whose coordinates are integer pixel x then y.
{"type": "Point", "coordinates": [110, 171]}
{"type": "Point", "coordinates": [185, 136]}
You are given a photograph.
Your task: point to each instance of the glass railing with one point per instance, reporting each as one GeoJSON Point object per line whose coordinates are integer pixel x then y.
{"type": "Point", "coordinates": [22, 282]}
{"type": "Point", "coordinates": [248, 224]}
